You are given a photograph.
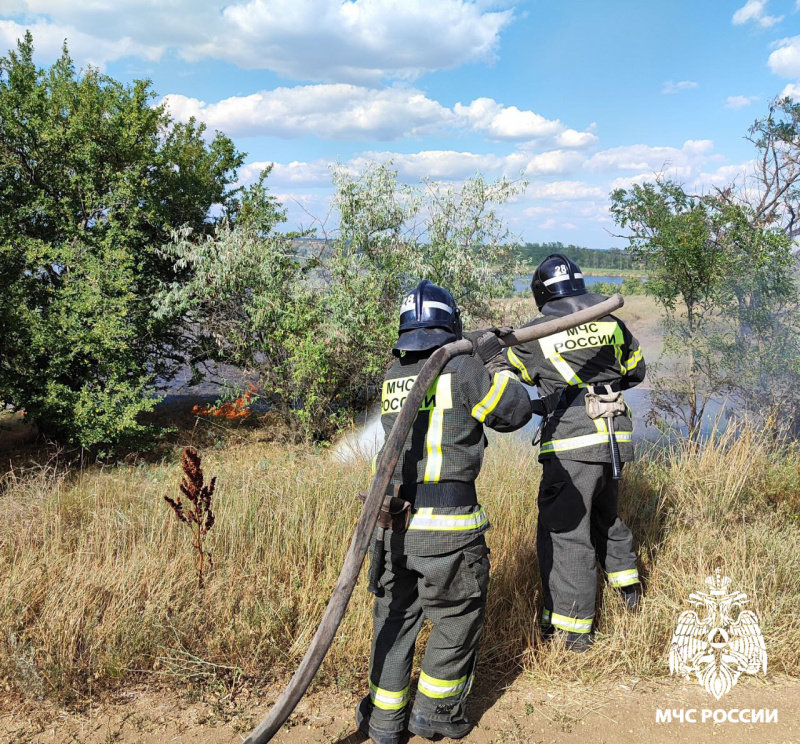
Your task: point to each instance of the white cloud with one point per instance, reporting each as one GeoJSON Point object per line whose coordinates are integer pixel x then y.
{"type": "Point", "coordinates": [360, 40]}
{"type": "Point", "coordinates": [442, 165]}
{"type": "Point", "coordinates": [626, 182]}
{"type": "Point", "coordinates": [306, 187]}
{"type": "Point", "coordinates": [724, 176]}
{"type": "Point", "coordinates": [538, 211]}
{"type": "Point", "coordinates": [596, 212]}
{"type": "Point", "coordinates": [755, 10]}
{"type": "Point", "coordinates": [343, 111]}
{"type": "Point", "coordinates": [335, 111]}
{"type": "Point", "coordinates": [670, 87]}
{"type": "Point", "coordinates": [785, 60]}
{"type": "Point", "coordinates": [49, 38]}
{"type": "Point", "coordinates": [644, 158]}
{"type": "Point", "coordinates": [792, 90]}
{"type": "Point", "coordinates": [507, 122]}
{"type": "Point", "coordinates": [510, 124]}
{"type": "Point", "coordinates": [573, 138]}
{"type": "Point", "coordinates": [554, 162]}
{"type": "Point", "coordinates": [293, 174]}
{"type": "Point", "coordinates": [356, 41]}
{"type": "Point", "coordinates": [737, 102]}
{"type": "Point", "coordinates": [565, 191]}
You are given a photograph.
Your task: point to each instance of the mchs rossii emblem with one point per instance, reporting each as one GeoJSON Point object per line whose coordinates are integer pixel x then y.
{"type": "Point", "coordinates": [720, 641]}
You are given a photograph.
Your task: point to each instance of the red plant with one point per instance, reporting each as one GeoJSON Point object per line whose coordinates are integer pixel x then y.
{"type": "Point", "coordinates": [198, 515]}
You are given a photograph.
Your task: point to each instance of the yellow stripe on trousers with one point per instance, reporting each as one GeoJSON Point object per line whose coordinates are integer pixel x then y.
{"type": "Point", "coordinates": [440, 688]}
{"type": "Point", "coordinates": [387, 699]}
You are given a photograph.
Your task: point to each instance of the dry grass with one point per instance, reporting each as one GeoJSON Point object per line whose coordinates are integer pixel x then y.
{"type": "Point", "coordinates": [97, 585]}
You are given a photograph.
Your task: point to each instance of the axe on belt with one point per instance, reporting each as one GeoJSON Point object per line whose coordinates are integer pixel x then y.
{"type": "Point", "coordinates": [359, 544]}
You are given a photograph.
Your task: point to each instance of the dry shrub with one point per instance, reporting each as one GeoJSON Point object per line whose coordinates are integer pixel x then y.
{"type": "Point", "coordinates": [95, 590]}
{"type": "Point", "coordinates": [197, 515]}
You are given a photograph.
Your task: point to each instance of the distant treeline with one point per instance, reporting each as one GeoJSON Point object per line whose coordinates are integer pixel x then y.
{"type": "Point", "coordinates": [594, 258]}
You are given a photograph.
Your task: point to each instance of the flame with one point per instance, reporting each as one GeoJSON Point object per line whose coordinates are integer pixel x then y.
{"type": "Point", "coordinates": [233, 410]}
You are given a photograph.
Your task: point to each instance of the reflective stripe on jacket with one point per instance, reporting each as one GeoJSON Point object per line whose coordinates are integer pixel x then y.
{"type": "Point", "coordinates": [601, 352]}
{"type": "Point", "coordinates": [447, 441]}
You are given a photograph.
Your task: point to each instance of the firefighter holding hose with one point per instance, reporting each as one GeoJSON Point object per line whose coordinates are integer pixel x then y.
{"type": "Point", "coordinates": [429, 557]}
{"type": "Point", "coordinates": [585, 437]}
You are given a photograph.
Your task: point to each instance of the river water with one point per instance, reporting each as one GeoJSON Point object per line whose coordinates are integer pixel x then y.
{"type": "Point", "coordinates": [522, 284]}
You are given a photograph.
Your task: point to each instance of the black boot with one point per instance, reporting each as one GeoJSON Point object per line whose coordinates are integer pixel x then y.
{"type": "Point", "coordinates": [577, 642]}
{"type": "Point", "coordinates": [631, 597]}
{"type": "Point", "coordinates": [377, 733]}
{"type": "Point", "coordinates": [429, 728]}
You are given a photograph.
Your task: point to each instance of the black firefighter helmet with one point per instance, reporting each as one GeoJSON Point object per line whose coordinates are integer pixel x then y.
{"type": "Point", "coordinates": [556, 276]}
{"type": "Point", "coordinates": [429, 318]}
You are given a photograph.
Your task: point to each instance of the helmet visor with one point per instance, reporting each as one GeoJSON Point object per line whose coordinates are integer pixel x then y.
{"type": "Point", "coordinates": [422, 339]}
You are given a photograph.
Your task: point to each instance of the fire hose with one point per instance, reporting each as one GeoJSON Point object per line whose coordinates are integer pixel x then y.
{"type": "Point", "coordinates": [365, 526]}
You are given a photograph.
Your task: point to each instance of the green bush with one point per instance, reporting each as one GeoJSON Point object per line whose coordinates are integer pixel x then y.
{"type": "Point", "coordinates": [315, 320]}
{"type": "Point", "coordinates": [93, 178]}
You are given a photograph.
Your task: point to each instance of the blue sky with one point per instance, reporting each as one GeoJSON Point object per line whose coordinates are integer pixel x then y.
{"type": "Point", "coordinates": [582, 96]}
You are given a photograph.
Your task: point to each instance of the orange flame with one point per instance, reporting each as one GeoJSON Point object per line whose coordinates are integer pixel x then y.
{"type": "Point", "coordinates": [233, 410]}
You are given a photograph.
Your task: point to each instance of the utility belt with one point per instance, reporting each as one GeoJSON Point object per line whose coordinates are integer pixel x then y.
{"type": "Point", "coordinates": [560, 399]}
{"type": "Point", "coordinates": [566, 397]}
{"type": "Point", "coordinates": [440, 495]}
{"type": "Point", "coordinates": [400, 499]}
{"type": "Point", "coordinates": [612, 403]}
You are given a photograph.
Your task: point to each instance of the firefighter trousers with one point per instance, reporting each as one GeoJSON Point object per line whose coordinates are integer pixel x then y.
{"type": "Point", "coordinates": [450, 591]}
{"type": "Point", "coordinates": [578, 527]}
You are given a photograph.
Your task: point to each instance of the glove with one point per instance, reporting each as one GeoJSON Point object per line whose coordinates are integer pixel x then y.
{"type": "Point", "coordinates": [498, 331]}
{"type": "Point", "coordinates": [501, 331]}
{"type": "Point", "coordinates": [486, 347]}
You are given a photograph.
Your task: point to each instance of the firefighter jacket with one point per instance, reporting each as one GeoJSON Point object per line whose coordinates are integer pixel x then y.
{"type": "Point", "coordinates": [562, 365]}
{"type": "Point", "coordinates": [444, 449]}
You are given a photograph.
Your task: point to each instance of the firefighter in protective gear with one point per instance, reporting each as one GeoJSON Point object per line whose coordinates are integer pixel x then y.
{"type": "Point", "coordinates": [578, 523]}
{"type": "Point", "coordinates": [437, 568]}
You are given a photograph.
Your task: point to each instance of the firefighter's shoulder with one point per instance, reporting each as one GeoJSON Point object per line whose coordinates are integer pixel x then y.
{"type": "Point", "coordinates": [465, 364]}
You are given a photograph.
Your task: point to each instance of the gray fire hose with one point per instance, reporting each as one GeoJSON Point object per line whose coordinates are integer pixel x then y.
{"type": "Point", "coordinates": [359, 543]}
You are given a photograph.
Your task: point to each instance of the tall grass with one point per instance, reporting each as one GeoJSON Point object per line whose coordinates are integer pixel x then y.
{"type": "Point", "coordinates": [97, 584]}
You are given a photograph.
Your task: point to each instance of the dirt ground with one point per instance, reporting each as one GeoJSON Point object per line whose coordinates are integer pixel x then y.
{"type": "Point", "coordinates": [622, 713]}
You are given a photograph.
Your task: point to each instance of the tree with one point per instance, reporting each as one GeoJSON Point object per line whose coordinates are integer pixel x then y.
{"type": "Point", "coordinates": [673, 235]}
{"type": "Point", "coordinates": [725, 282]}
{"type": "Point", "coordinates": [315, 318]}
{"type": "Point", "coordinates": [745, 234]}
{"type": "Point", "coordinates": [595, 258]}
{"type": "Point", "coordinates": [773, 197]}
{"type": "Point", "coordinates": [763, 353]}
{"type": "Point", "coordinates": [93, 179]}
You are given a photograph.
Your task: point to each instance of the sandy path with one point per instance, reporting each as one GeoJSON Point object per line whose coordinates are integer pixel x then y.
{"type": "Point", "coordinates": [618, 714]}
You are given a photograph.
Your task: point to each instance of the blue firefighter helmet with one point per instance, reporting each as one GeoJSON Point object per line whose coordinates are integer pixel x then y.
{"type": "Point", "coordinates": [429, 318]}
{"type": "Point", "coordinates": [556, 276]}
